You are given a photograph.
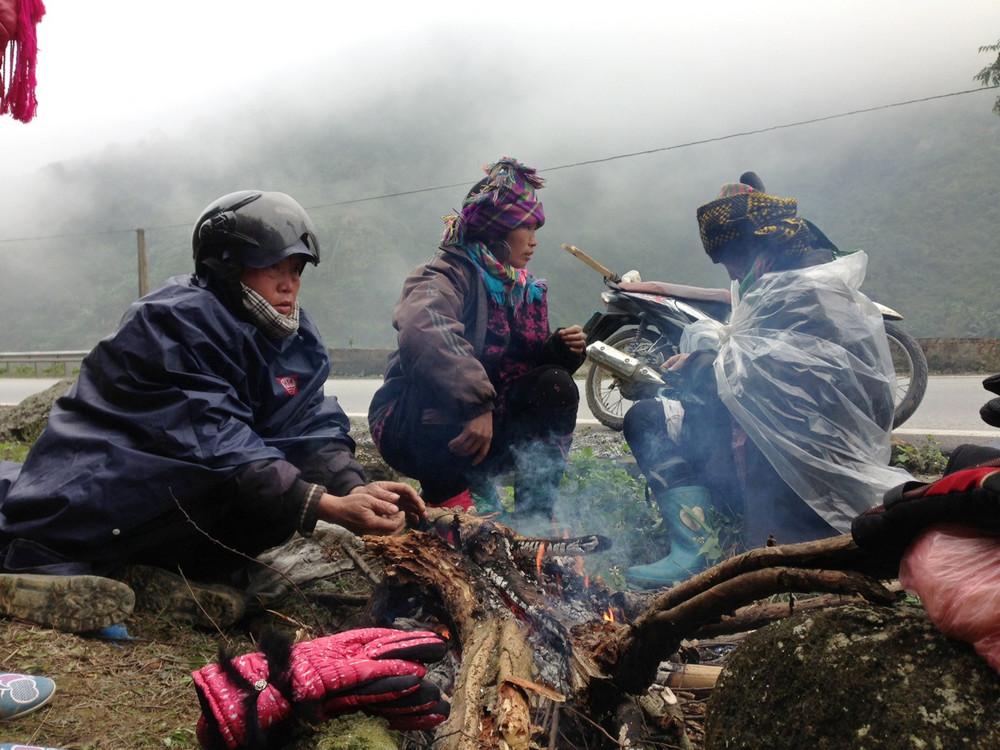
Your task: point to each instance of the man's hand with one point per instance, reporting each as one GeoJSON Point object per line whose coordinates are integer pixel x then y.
{"type": "Point", "coordinates": [402, 495]}
{"type": "Point", "coordinates": [574, 338]}
{"type": "Point", "coordinates": [362, 513]}
{"type": "Point", "coordinates": [475, 438]}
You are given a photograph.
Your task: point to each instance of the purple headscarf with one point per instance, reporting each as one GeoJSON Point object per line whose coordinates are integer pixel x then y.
{"type": "Point", "coordinates": [503, 201]}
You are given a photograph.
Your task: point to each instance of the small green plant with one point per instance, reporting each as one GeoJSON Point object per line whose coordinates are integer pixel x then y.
{"type": "Point", "coordinates": [923, 458]}
{"type": "Point", "coordinates": [599, 495]}
{"type": "Point", "coordinates": [721, 532]}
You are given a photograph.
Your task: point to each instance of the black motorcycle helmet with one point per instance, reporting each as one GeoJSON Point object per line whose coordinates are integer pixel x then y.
{"type": "Point", "coordinates": [250, 228]}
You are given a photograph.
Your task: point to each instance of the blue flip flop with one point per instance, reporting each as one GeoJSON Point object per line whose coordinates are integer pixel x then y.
{"type": "Point", "coordinates": [21, 694]}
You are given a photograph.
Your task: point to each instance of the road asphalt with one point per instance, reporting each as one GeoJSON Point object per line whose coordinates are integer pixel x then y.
{"type": "Point", "coordinates": [949, 412]}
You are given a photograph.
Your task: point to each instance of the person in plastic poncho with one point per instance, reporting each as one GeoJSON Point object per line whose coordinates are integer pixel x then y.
{"type": "Point", "coordinates": [787, 410]}
{"type": "Point", "coordinates": [201, 422]}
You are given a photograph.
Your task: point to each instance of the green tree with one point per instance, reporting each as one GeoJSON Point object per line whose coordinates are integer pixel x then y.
{"type": "Point", "coordinates": [990, 75]}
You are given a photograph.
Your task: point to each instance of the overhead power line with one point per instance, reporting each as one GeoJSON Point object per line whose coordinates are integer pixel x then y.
{"type": "Point", "coordinates": [557, 167]}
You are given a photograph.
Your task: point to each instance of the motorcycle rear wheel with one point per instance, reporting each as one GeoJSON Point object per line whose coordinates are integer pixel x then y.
{"type": "Point", "coordinates": [605, 395]}
{"type": "Point", "coordinates": [911, 372]}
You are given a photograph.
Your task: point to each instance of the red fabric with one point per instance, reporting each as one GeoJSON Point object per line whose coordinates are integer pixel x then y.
{"type": "Point", "coordinates": [18, 55]}
{"type": "Point", "coordinates": [326, 671]}
{"type": "Point", "coordinates": [462, 501]}
{"type": "Point", "coordinates": [961, 481]}
{"type": "Point", "coordinates": [8, 22]}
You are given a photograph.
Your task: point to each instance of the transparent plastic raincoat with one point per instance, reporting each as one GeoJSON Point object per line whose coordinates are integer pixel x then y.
{"type": "Point", "coordinates": [804, 367]}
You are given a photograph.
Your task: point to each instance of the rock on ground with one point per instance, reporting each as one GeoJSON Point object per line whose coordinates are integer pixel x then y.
{"type": "Point", "coordinates": [26, 421]}
{"type": "Point", "coordinates": [860, 677]}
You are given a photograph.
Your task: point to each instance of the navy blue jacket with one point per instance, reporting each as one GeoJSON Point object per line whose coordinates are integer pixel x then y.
{"type": "Point", "coordinates": [183, 398]}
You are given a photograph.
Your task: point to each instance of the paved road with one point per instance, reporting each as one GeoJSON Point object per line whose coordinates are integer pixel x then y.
{"type": "Point", "coordinates": [949, 412]}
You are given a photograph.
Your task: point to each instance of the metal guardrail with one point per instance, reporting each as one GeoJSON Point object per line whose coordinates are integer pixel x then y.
{"type": "Point", "coordinates": [34, 360]}
{"type": "Point", "coordinates": [944, 356]}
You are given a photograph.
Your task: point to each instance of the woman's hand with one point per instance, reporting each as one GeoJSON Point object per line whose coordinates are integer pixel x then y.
{"type": "Point", "coordinates": [675, 362]}
{"type": "Point", "coordinates": [475, 438]}
{"type": "Point", "coordinates": [574, 339]}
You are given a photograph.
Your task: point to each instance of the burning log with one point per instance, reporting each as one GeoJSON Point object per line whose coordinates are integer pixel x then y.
{"type": "Point", "coordinates": [525, 647]}
{"type": "Point", "coordinates": [515, 643]}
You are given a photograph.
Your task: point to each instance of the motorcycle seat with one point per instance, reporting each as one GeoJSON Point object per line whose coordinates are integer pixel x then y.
{"type": "Point", "coordinates": [682, 291]}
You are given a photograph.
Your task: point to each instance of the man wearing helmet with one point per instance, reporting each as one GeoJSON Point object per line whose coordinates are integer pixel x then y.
{"type": "Point", "coordinates": [196, 434]}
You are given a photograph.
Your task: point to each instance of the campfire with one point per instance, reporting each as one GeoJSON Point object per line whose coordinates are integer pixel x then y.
{"type": "Point", "coordinates": [534, 636]}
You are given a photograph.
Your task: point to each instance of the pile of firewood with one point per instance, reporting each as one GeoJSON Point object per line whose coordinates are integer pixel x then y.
{"type": "Point", "coordinates": [541, 653]}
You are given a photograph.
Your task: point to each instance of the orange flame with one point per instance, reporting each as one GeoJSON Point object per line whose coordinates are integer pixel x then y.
{"type": "Point", "coordinates": [538, 558]}
{"type": "Point", "coordinates": [608, 615]}
{"type": "Point", "coordinates": [441, 629]}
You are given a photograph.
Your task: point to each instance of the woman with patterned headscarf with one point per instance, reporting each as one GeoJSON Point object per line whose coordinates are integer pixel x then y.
{"type": "Point", "coordinates": [479, 385]}
{"type": "Point", "coordinates": [787, 409]}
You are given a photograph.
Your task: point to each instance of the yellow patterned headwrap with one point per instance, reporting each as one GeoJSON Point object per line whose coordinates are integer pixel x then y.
{"type": "Point", "coordinates": [749, 214]}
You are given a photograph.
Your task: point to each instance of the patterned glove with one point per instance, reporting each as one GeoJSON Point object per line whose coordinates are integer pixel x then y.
{"type": "Point", "coordinates": [970, 496]}
{"type": "Point", "coordinates": [375, 670]}
{"type": "Point", "coordinates": [991, 409]}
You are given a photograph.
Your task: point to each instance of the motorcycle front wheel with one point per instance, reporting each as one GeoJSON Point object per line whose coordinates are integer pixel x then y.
{"type": "Point", "coordinates": [911, 372]}
{"type": "Point", "coordinates": [607, 396]}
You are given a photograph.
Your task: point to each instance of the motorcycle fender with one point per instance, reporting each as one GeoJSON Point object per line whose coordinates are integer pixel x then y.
{"type": "Point", "coordinates": [601, 325]}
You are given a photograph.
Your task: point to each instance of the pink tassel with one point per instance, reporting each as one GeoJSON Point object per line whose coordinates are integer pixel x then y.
{"type": "Point", "coordinates": [19, 98]}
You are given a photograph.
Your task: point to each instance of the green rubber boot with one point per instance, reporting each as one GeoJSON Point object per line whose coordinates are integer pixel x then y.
{"type": "Point", "coordinates": [686, 539]}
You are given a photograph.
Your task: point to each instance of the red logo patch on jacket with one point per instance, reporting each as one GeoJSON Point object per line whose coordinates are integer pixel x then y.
{"type": "Point", "coordinates": [290, 383]}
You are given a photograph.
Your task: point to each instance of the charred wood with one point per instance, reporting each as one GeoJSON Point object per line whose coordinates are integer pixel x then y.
{"type": "Point", "coordinates": [523, 648]}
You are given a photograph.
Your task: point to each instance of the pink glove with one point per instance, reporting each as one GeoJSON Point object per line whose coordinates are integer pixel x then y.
{"type": "Point", "coordinates": [369, 670]}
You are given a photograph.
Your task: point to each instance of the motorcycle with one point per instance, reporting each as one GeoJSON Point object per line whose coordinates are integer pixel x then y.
{"type": "Point", "coordinates": [644, 320]}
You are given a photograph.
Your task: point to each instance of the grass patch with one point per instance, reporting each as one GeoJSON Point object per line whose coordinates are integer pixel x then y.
{"type": "Point", "coordinates": [44, 370]}
{"type": "Point", "coordinates": [135, 695]}
{"type": "Point", "coordinates": [14, 451]}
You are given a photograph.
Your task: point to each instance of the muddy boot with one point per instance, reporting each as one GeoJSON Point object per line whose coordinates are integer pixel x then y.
{"type": "Point", "coordinates": [686, 539]}
{"type": "Point", "coordinates": [207, 605]}
{"type": "Point", "coordinates": [75, 604]}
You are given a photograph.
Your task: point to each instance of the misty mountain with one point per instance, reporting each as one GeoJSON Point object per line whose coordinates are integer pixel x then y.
{"type": "Point", "coordinates": [916, 187]}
